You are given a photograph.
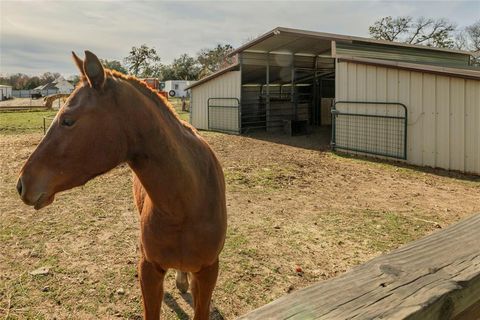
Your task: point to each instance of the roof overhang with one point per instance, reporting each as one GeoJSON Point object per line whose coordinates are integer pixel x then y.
{"type": "Point", "coordinates": [233, 67]}
{"type": "Point", "coordinates": [456, 72]}
{"type": "Point", "coordinates": [300, 42]}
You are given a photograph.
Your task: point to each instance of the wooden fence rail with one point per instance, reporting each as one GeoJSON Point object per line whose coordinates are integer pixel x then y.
{"type": "Point", "coordinates": [437, 277]}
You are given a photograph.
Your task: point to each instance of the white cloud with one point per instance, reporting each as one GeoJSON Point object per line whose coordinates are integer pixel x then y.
{"type": "Point", "coordinates": [37, 36]}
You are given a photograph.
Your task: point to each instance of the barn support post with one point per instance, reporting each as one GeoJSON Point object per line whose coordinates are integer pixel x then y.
{"type": "Point", "coordinates": [240, 62]}
{"type": "Point", "coordinates": [317, 100]}
{"type": "Point", "coordinates": [293, 96]}
{"type": "Point", "coordinates": [267, 97]}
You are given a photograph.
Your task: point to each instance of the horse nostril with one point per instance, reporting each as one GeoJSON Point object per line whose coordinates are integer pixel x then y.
{"type": "Point", "coordinates": [19, 186]}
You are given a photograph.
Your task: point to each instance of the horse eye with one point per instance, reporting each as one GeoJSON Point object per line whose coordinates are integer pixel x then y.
{"type": "Point", "coordinates": [66, 122]}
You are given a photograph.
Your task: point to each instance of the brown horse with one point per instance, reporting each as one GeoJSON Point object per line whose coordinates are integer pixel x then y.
{"type": "Point", "coordinates": [178, 183]}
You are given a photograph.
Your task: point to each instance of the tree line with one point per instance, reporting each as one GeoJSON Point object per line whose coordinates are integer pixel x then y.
{"type": "Point", "coordinates": [142, 62]}
{"type": "Point", "coordinates": [20, 81]}
{"type": "Point", "coordinates": [145, 62]}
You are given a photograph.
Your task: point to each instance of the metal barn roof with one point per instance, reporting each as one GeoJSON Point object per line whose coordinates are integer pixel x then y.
{"type": "Point", "coordinates": [300, 42]}
{"type": "Point", "coordinates": [381, 52]}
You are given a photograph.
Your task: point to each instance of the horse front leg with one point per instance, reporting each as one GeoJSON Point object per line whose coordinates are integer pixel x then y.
{"type": "Point", "coordinates": [151, 282]}
{"type": "Point", "coordinates": [203, 283]}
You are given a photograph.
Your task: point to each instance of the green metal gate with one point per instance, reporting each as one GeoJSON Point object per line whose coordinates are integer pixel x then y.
{"type": "Point", "coordinates": [224, 114]}
{"type": "Point", "coordinates": [378, 128]}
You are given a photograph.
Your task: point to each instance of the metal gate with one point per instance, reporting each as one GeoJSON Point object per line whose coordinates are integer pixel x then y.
{"type": "Point", "coordinates": [224, 114]}
{"type": "Point", "coordinates": [378, 128]}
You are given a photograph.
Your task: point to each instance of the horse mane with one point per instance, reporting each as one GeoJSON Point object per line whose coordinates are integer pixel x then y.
{"type": "Point", "coordinates": [159, 100]}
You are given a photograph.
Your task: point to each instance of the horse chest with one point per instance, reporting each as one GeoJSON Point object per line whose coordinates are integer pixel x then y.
{"type": "Point", "coordinates": [162, 242]}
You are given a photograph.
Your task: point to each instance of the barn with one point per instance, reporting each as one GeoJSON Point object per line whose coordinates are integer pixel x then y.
{"type": "Point", "coordinates": [413, 103]}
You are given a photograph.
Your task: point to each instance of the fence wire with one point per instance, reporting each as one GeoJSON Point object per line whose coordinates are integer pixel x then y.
{"type": "Point", "coordinates": [223, 114]}
{"type": "Point", "coordinates": [378, 134]}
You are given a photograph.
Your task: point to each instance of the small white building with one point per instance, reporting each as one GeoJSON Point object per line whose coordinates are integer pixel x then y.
{"type": "Point", "coordinates": [59, 85]}
{"type": "Point", "coordinates": [63, 85]}
{"type": "Point", "coordinates": [176, 88]}
{"type": "Point", "coordinates": [5, 92]}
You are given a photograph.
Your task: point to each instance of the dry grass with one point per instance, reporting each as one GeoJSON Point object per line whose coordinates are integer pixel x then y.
{"type": "Point", "coordinates": [288, 206]}
{"type": "Point", "coordinates": [22, 102]}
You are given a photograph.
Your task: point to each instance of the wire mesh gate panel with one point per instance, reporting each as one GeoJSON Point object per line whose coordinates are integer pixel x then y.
{"type": "Point", "coordinates": [223, 114]}
{"type": "Point", "coordinates": [378, 128]}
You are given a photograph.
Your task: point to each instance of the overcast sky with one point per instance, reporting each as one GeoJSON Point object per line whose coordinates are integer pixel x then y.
{"type": "Point", "coordinates": [38, 36]}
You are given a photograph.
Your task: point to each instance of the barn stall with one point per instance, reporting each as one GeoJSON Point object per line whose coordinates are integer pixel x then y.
{"type": "Point", "coordinates": [406, 102]}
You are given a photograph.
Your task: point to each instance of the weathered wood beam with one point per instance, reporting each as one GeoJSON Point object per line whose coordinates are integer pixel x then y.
{"type": "Point", "coordinates": [437, 277]}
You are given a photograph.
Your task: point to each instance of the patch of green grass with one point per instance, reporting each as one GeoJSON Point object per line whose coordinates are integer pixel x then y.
{"type": "Point", "coordinates": [16, 122]}
{"type": "Point", "coordinates": [185, 116]}
{"type": "Point", "coordinates": [177, 104]}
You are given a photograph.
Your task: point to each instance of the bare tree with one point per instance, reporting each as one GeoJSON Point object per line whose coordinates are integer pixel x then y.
{"type": "Point", "coordinates": [469, 39]}
{"type": "Point", "coordinates": [473, 34]}
{"type": "Point", "coordinates": [425, 31]}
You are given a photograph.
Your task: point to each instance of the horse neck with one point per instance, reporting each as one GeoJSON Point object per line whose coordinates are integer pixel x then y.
{"type": "Point", "coordinates": [158, 149]}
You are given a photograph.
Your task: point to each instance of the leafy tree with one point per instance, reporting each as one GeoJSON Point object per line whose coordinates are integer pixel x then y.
{"type": "Point", "coordinates": [425, 31]}
{"type": "Point", "coordinates": [32, 83]}
{"type": "Point", "coordinates": [114, 65]}
{"type": "Point", "coordinates": [143, 62]}
{"type": "Point", "coordinates": [212, 60]}
{"type": "Point", "coordinates": [167, 73]}
{"type": "Point", "coordinates": [184, 68]}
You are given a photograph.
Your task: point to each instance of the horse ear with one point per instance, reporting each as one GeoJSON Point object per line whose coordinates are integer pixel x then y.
{"type": "Point", "coordinates": [78, 62]}
{"type": "Point", "coordinates": [94, 70]}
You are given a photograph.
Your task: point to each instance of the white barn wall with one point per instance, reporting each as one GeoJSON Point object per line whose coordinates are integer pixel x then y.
{"type": "Point", "coordinates": [227, 85]}
{"type": "Point", "coordinates": [443, 111]}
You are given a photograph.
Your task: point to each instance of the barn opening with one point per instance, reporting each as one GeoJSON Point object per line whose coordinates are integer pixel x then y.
{"type": "Point", "coordinates": [371, 97]}
{"type": "Point", "coordinates": [291, 93]}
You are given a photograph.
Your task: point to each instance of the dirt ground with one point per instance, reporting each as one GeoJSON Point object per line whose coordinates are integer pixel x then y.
{"type": "Point", "coordinates": [291, 203]}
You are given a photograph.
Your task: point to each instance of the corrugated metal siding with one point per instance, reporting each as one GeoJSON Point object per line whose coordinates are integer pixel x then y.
{"type": "Point", "coordinates": [227, 85]}
{"type": "Point", "coordinates": [443, 111]}
{"type": "Point", "coordinates": [385, 52]}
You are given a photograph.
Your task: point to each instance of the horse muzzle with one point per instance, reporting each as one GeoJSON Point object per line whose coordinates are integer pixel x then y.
{"type": "Point", "coordinates": [33, 196]}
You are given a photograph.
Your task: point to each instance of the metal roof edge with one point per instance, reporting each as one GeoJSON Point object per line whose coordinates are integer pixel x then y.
{"type": "Point", "coordinates": [339, 37]}
{"type": "Point", "coordinates": [463, 73]}
{"type": "Point", "coordinates": [212, 76]}
{"type": "Point", "coordinates": [255, 41]}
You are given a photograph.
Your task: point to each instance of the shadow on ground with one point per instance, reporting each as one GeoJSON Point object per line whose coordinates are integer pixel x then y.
{"type": "Point", "coordinates": [181, 314]}
{"type": "Point", "coordinates": [318, 138]}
